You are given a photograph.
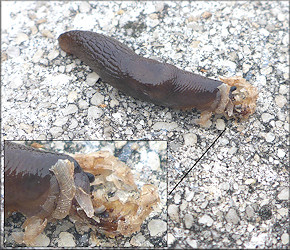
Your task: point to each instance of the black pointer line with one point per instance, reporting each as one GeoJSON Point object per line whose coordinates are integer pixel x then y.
{"type": "Point", "coordinates": [197, 161]}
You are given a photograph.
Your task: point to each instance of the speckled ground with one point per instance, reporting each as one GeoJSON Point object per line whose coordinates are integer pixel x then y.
{"type": "Point", "coordinates": [237, 195]}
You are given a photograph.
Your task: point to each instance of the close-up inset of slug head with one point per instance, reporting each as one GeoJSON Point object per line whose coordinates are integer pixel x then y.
{"type": "Point", "coordinates": [95, 190]}
{"type": "Point", "coordinates": [160, 83]}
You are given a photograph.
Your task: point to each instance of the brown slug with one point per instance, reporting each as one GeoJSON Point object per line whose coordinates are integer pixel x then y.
{"type": "Point", "coordinates": [43, 186]}
{"type": "Point", "coordinates": [159, 83]}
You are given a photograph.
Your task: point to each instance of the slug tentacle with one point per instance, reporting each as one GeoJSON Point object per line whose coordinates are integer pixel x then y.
{"type": "Point", "coordinates": [156, 82]}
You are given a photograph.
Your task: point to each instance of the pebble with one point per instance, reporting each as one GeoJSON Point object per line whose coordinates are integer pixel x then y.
{"type": "Point", "coordinates": [72, 96]}
{"type": "Point", "coordinates": [169, 126]}
{"type": "Point", "coordinates": [66, 240]}
{"type": "Point", "coordinates": [53, 54]}
{"type": "Point", "coordinates": [56, 131]}
{"type": "Point", "coordinates": [95, 112]}
{"type": "Point", "coordinates": [280, 100]}
{"type": "Point", "coordinates": [270, 137]}
{"type": "Point", "coordinates": [220, 124]}
{"type": "Point", "coordinates": [153, 161]}
{"type": "Point", "coordinates": [138, 240]}
{"type": "Point", "coordinates": [264, 32]}
{"type": "Point", "coordinates": [192, 243]}
{"type": "Point", "coordinates": [13, 52]}
{"type": "Point", "coordinates": [84, 7]}
{"type": "Point", "coordinates": [285, 238]}
{"type": "Point", "coordinates": [266, 117]}
{"type": "Point", "coordinates": [281, 153]}
{"type": "Point", "coordinates": [284, 194]}
{"type": "Point", "coordinates": [60, 121]}
{"type": "Point", "coordinates": [206, 220]}
{"type": "Point", "coordinates": [250, 181]}
{"type": "Point", "coordinates": [173, 212]}
{"type": "Point", "coordinates": [250, 212]}
{"type": "Point", "coordinates": [36, 57]}
{"type": "Point", "coordinates": [188, 221]}
{"type": "Point", "coordinates": [114, 103]}
{"type": "Point", "coordinates": [190, 139]}
{"type": "Point", "coordinates": [157, 227]}
{"type": "Point", "coordinates": [97, 99]}
{"type": "Point", "coordinates": [21, 37]}
{"type": "Point", "coordinates": [41, 241]}
{"type": "Point", "coordinates": [92, 78]}
{"type": "Point", "coordinates": [70, 109]}
{"type": "Point", "coordinates": [47, 33]}
{"type": "Point", "coordinates": [232, 216]}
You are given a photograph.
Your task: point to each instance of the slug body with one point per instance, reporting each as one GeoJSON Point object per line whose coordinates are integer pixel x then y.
{"type": "Point", "coordinates": [43, 186]}
{"type": "Point", "coordinates": [147, 79]}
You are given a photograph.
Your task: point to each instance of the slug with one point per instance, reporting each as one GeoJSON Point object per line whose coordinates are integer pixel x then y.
{"type": "Point", "coordinates": [159, 83]}
{"type": "Point", "coordinates": [43, 186]}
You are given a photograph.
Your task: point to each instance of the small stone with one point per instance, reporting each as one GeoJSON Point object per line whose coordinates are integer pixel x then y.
{"type": "Point", "coordinates": [95, 112]}
{"type": "Point", "coordinates": [92, 78]}
{"type": "Point", "coordinates": [250, 181]}
{"type": "Point", "coordinates": [21, 37]}
{"type": "Point", "coordinates": [56, 131]}
{"type": "Point", "coordinates": [97, 99]}
{"type": "Point", "coordinates": [173, 212]}
{"type": "Point", "coordinates": [170, 239]}
{"type": "Point", "coordinates": [53, 54]}
{"type": "Point", "coordinates": [195, 44]}
{"type": "Point", "coordinates": [206, 220]}
{"type": "Point", "coordinates": [232, 216]}
{"type": "Point", "coordinates": [270, 137]}
{"type": "Point", "coordinates": [36, 57]}
{"type": "Point", "coordinates": [138, 240]}
{"type": "Point", "coordinates": [114, 103]}
{"type": "Point", "coordinates": [159, 6]}
{"type": "Point", "coordinates": [153, 16]}
{"type": "Point", "coordinates": [169, 126]}
{"type": "Point", "coordinates": [157, 227]}
{"type": "Point", "coordinates": [206, 15]}
{"type": "Point", "coordinates": [280, 101]}
{"type": "Point", "coordinates": [250, 212]}
{"type": "Point", "coordinates": [72, 96]}
{"type": "Point", "coordinates": [60, 121]}
{"type": "Point", "coordinates": [285, 238]}
{"type": "Point", "coordinates": [41, 241]}
{"type": "Point", "coordinates": [264, 32]}
{"type": "Point", "coordinates": [190, 139]}
{"type": "Point", "coordinates": [13, 52]}
{"type": "Point", "coordinates": [284, 194]}
{"type": "Point", "coordinates": [266, 117]}
{"type": "Point", "coordinates": [73, 123]}
{"type": "Point", "coordinates": [153, 161]}
{"type": "Point", "coordinates": [281, 17]}
{"type": "Point", "coordinates": [34, 30]}
{"type": "Point", "coordinates": [188, 221]}
{"type": "Point", "coordinates": [70, 109]}
{"type": "Point", "coordinates": [283, 211]}
{"type": "Point", "coordinates": [66, 240]}
{"type": "Point", "coordinates": [84, 7]}
{"type": "Point", "coordinates": [220, 124]}
{"type": "Point", "coordinates": [265, 212]}
{"type": "Point", "coordinates": [47, 33]}
{"type": "Point", "coordinates": [232, 150]}
{"type": "Point", "coordinates": [192, 243]}
{"type": "Point", "coordinates": [281, 153]}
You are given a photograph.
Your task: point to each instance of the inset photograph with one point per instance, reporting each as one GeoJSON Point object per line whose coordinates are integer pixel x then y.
{"type": "Point", "coordinates": [85, 194]}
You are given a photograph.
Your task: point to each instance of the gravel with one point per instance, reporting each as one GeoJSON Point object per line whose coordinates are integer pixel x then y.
{"type": "Point", "coordinates": [55, 96]}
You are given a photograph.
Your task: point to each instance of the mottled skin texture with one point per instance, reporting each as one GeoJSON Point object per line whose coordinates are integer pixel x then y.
{"type": "Point", "coordinates": [142, 78]}
{"type": "Point", "coordinates": [27, 178]}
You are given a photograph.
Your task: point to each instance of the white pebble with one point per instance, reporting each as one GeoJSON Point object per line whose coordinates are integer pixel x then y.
{"type": "Point", "coordinates": [157, 227]}
{"type": "Point", "coordinates": [70, 109]}
{"type": "Point", "coordinates": [285, 238]}
{"type": "Point", "coordinates": [153, 161]}
{"type": "Point", "coordinates": [95, 112]}
{"type": "Point", "coordinates": [97, 99]}
{"type": "Point", "coordinates": [284, 194]}
{"type": "Point", "coordinates": [281, 153]}
{"type": "Point", "coordinates": [280, 100]}
{"type": "Point", "coordinates": [190, 139]}
{"type": "Point", "coordinates": [92, 78]}
{"type": "Point", "coordinates": [192, 243]}
{"type": "Point", "coordinates": [188, 220]}
{"type": "Point", "coordinates": [66, 240]}
{"type": "Point", "coordinates": [53, 54]}
{"type": "Point", "coordinates": [173, 212]}
{"type": "Point", "coordinates": [41, 241]}
{"type": "Point", "coordinates": [206, 220]}
{"type": "Point", "coordinates": [220, 124]}
{"type": "Point", "coordinates": [270, 137]}
{"type": "Point", "coordinates": [266, 117]}
{"type": "Point", "coordinates": [21, 37]}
